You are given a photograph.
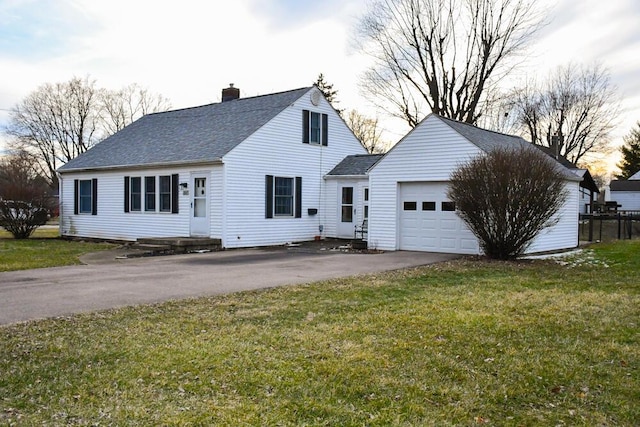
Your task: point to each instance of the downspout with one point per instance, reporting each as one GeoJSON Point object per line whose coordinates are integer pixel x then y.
{"type": "Point", "coordinates": [321, 221]}
{"type": "Point", "coordinates": [60, 198]}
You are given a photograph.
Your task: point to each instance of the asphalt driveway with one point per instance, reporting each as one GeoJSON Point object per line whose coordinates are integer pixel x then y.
{"type": "Point", "coordinates": [107, 282]}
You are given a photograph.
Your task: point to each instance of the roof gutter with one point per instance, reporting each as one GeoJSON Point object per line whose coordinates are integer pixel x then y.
{"type": "Point", "coordinates": [217, 161]}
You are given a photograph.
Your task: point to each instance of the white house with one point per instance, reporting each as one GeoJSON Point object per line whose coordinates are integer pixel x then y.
{"type": "Point", "coordinates": [409, 208]}
{"type": "Point", "coordinates": [626, 193]}
{"type": "Point", "coordinates": [247, 171]}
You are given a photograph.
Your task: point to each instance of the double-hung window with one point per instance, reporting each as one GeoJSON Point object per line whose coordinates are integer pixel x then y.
{"type": "Point", "coordinates": [150, 193]}
{"type": "Point", "coordinates": [165, 193]}
{"type": "Point", "coordinates": [283, 196]}
{"type": "Point", "coordinates": [85, 196]}
{"type": "Point", "coordinates": [136, 194]}
{"type": "Point", "coordinates": [157, 193]}
{"type": "Point", "coordinates": [315, 128]}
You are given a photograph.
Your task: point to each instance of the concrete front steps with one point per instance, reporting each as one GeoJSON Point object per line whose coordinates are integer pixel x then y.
{"type": "Point", "coordinates": [166, 245]}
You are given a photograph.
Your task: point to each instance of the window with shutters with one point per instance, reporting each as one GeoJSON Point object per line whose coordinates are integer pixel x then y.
{"type": "Point", "coordinates": [151, 193]}
{"type": "Point", "coordinates": [315, 128]}
{"type": "Point", "coordinates": [85, 196]}
{"type": "Point", "coordinates": [283, 197]}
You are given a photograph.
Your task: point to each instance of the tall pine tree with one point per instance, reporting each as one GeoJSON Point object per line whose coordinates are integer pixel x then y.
{"type": "Point", "coordinates": [630, 163]}
{"type": "Point", "coordinates": [327, 89]}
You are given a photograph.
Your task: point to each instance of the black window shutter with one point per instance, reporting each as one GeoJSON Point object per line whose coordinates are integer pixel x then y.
{"type": "Point", "coordinates": [76, 186]}
{"type": "Point", "coordinates": [268, 196]}
{"type": "Point", "coordinates": [174, 193]}
{"type": "Point", "coordinates": [305, 126]}
{"type": "Point", "coordinates": [325, 130]}
{"type": "Point", "coordinates": [94, 196]}
{"type": "Point", "coordinates": [126, 194]}
{"type": "Point", "coordinates": [298, 197]}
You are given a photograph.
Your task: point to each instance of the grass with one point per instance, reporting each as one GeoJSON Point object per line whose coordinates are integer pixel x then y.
{"type": "Point", "coordinates": [468, 342]}
{"type": "Point", "coordinates": [43, 249]}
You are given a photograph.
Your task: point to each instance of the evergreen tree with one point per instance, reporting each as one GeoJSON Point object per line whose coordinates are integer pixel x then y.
{"type": "Point", "coordinates": [327, 89]}
{"type": "Point", "coordinates": [630, 163]}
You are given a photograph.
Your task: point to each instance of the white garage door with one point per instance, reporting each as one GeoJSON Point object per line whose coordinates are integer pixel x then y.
{"type": "Point", "coordinates": [428, 221]}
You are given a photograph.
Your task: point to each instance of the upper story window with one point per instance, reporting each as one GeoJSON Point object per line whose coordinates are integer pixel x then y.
{"type": "Point", "coordinates": [315, 128]}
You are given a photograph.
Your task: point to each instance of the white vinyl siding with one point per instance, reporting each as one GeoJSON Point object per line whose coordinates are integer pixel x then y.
{"type": "Point", "coordinates": [275, 149]}
{"type": "Point", "coordinates": [236, 188]}
{"type": "Point", "coordinates": [564, 234]}
{"type": "Point", "coordinates": [427, 153]}
{"type": "Point", "coordinates": [427, 156]}
{"type": "Point", "coordinates": [111, 222]}
{"type": "Point", "coordinates": [628, 200]}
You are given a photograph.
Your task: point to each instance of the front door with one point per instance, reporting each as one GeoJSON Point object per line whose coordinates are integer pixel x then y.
{"type": "Point", "coordinates": [346, 211]}
{"type": "Point", "coordinates": [199, 206]}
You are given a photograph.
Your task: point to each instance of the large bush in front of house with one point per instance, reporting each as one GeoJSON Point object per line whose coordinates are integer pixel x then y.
{"type": "Point", "coordinates": [507, 197]}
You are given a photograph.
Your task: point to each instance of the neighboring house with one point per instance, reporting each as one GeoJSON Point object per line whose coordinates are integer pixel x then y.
{"type": "Point", "coordinates": [588, 188]}
{"type": "Point", "coordinates": [626, 193]}
{"type": "Point", "coordinates": [248, 171]}
{"type": "Point", "coordinates": [348, 193]}
{"type": "Point", "coordinates": [409, 206]}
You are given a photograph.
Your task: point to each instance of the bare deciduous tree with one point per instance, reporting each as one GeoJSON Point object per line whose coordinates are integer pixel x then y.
{"type": "Point", "coordinates": [122, 107]}
{"type": "Point", "coordinates": [507, 197]}
{"type": "Point", "coordinates": [442, 55]}
{"type": "Point", "coordinates": [57, 122]}
{"type": "Point", "coordinates": [367, 131]}
{"type": "Point", "coordinates": [573, 112]}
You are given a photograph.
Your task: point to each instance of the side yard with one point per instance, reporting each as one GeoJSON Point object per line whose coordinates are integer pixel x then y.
{"type": "Point", "coordinates": [43, 249]}
{"type": "Point", "coordinates": [468, 342]}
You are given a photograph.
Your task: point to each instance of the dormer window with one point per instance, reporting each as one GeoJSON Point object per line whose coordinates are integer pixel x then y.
{"type": "Point", "coordinates": [315, 128]}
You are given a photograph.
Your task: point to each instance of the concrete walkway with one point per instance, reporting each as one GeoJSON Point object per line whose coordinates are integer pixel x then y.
{"type": "Point", "coordinates": [107, 282]}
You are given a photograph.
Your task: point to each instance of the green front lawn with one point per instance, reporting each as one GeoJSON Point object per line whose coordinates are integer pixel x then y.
{"type": "Point", "coordinates": [42, 249]}
{"type": "Point", "coordinates": [462, 343]}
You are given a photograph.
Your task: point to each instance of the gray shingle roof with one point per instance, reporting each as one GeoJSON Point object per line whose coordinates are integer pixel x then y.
{"type": "Point", "coordinates": [197, 134]}
{"type": "Point", "coordinates": [488, 140]}
{"type": "Point", "coordinates": [358, 164]}
{"type": "Point", "coordinates": [622, 185]}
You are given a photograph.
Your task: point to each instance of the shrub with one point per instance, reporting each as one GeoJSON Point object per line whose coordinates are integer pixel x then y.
{"type": "Point", "coordinates": [21, 218]}
{"type": "Point", "coordinates": [507, 197]}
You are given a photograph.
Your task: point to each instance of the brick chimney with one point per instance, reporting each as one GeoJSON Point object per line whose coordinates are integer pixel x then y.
{"type": "Point", "coordinates": [230, 93]}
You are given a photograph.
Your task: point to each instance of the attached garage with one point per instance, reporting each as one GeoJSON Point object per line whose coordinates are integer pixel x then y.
{"type": "Point", "coordinates": [409, 208]}
{"type": "Point", "coordinates": [428, 221]}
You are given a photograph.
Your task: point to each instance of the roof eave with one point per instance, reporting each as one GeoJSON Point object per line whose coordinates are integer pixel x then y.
{"type": "Point", "coordinates": [345, 176]}
{"type": "Point", "coordinates": [143, 166]}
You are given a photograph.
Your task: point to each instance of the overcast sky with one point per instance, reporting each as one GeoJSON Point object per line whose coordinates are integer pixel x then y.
{"type": "Point", "coordinates": [189, 50]}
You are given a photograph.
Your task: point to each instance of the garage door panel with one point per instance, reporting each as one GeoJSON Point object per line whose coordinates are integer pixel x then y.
{"type": "Point", "coordinates": [469, 244]}
{"type": "Point", "coordinates": [429, 228]}
{"type": "Point", "coordinates": [429, 224]}
{"type": "Point", "coordinates": [449, 224]}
